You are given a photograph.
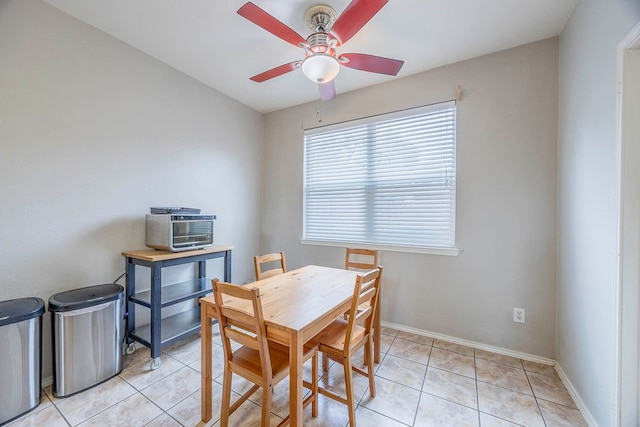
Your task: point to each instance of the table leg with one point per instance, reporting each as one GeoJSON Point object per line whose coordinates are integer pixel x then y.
{"type": "Point", "coordinates": [227, 266]}
{"type": "Point", "coordinates": [205, 365]}
{"type": "Point", "coordinates": [156, 313]}
{"type": "Point", "coordinates": [295, 379]}
{"type": "Point", "coordinates": [130, 285]}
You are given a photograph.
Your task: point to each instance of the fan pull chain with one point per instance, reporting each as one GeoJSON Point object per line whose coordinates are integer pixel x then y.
{"type": "Point", "coordinates": [318, 112]}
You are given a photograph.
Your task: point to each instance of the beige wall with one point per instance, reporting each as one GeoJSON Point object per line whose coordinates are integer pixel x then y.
{"type": "Point", "coordinates": [630, 226]}
{"type": "Point", "coordinates": [588, 212]}
{"type": "Point", "coordinates": [92, 133]}
{"type": "Point", "coordinates": [506, 199]}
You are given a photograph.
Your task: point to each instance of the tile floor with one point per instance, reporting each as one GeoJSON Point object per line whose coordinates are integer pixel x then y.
{"type": "Point", "coordinates": [420, 382]}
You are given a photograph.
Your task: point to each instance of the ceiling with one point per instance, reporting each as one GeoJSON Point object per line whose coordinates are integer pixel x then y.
{"type": "Point", "coordinates": [209, 41]}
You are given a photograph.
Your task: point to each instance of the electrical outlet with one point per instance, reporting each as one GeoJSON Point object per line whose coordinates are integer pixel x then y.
{"type": "Point", "coordinates": [518, 315]}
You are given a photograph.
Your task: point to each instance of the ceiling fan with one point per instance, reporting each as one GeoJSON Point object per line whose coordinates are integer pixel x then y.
{"type": "Point", "coordinates": [321, 63]}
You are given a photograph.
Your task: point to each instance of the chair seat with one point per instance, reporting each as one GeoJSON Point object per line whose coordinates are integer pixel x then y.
{"type": "Point", "coordinates": [333, 337]}
{"type": "Point", "coordinates": [249, 358]}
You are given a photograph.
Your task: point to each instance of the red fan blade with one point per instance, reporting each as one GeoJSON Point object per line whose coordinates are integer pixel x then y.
{"type": "Point", "coordinates": [275, 72]}
{"type": "Point", "coordinates": [372, 63]}
{"type": "Point", "coordinates": [358, 13]}
{"type": "Point", "coordinates": [327, 91]}
{"type": "Point", "coordinates": [262, 19]}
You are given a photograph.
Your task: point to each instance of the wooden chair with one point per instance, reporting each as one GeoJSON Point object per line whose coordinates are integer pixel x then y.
{"type": "Point", "coordinates": [257, 359]}
{"type": "Point", "coordinates": [258, 262]}
{"type": "Point", "coordinates": [361, 259]}
{"type": "Point", "coordinates": [365, 260]}
{"type": "Point", "coordinates": [342, 338]}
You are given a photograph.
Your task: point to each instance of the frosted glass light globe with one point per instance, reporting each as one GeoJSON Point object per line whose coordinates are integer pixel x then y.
{"type": "Point", "coordinates": [320, 68]}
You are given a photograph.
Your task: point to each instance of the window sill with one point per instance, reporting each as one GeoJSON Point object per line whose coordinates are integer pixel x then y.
{"type": "Point", "coordinates": [408, 249]}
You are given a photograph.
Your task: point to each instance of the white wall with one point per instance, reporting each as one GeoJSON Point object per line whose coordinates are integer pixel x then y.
{"type": "Point", "coordinates": [587, 211]}
{"type": "Point", "coordinates": [630, 242]}
{"type": "Point", "coordinates": [92, 133]}
{"type": "Point", "coordinates": [506, 198]}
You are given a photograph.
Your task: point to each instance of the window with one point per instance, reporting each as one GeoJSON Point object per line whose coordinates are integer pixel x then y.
{"type": "Point", "coordinates": [387, 181]}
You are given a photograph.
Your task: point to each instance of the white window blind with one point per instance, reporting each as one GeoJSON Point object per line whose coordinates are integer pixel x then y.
{"type": "Point", "coordinates": [387, 180]}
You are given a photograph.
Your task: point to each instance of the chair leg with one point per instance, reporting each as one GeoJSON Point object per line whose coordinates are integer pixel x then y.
{"type": "Point", "coordinates": [226, 399]}
{"type": "Point", "coordinates": [376, 334]}
{"type": "Point", "coordinates": [348, 381]}
{"type": "Point", "coordinates": [376, 345]}
{"type": "Point", "coordinates": [325, 363]}
{"type": "Point", "coordinates": [368, 359]}
{"type": "Point", "coordinates": [314, 384]}
{"type": "Point", "coordinates": [267, 398]}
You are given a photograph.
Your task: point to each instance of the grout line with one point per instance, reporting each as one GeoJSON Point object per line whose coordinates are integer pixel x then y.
{"type": "Point", "coordinates": [424, 378]}
{"type": "Point", "coordinates": [61, 414]}
{"type": "Point", "coordinates": [475, 371]}
{"type": "Point", "coordinates": [500, 418]}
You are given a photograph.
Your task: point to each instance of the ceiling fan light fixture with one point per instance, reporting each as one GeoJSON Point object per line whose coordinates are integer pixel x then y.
{"type": "Point", "coordinates": [320, 68]}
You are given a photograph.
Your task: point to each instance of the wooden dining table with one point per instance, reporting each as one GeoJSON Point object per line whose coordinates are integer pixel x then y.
{"type": "Point", "coordinates": [296, 306]}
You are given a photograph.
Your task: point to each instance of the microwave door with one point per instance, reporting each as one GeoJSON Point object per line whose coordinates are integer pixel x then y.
{"type": "Point", "coordinates": [192, 233]}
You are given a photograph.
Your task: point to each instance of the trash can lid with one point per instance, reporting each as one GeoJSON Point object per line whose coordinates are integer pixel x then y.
{"type": "Point", "coordinates": [17, 310]}
{"type": "Point", "coordinates": [85, 297]}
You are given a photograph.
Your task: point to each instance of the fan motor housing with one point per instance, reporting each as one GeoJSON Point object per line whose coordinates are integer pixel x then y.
{"type": "Point", "coordinates": [320, 43]}
{"type": "Point", "coordinates": [320, 18]}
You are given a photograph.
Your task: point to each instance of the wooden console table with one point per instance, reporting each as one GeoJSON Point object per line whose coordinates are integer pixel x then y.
{"type": "Point", "coordinates": [164, 331]}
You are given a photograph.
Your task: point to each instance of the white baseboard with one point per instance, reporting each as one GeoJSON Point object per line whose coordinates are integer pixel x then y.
{"type": "Point", "coordinates": [576, 397]}
{"type": "Point", "coordinates": [47, 381]}
{"type": "Point", "coordinates": [468, 343]}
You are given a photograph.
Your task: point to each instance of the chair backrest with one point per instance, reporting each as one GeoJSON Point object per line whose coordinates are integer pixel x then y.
{"type": "Point", "coordinates": [363, 305]}
{"type": "Point", "coordinates": [248, 327]}
{"type": "Point", "coordinates": [361, 259]}
{"type": "Point", "coordinates": [277, 257]}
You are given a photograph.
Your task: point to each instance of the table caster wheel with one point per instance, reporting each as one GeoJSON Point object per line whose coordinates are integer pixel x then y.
{"type": "Point", "coordinates": [130, 348]}
{"type": "Point", "coordinates": [155, 363]}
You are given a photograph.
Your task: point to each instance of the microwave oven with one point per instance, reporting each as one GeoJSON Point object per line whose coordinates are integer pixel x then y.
{"type": "Point", "coordinates": [179, 232]}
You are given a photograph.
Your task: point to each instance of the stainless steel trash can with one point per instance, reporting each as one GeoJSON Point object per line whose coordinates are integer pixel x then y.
{"type": "Point", "coordinates": [87, 335]}
{"type": "Point", "coordinates": [20, 356]}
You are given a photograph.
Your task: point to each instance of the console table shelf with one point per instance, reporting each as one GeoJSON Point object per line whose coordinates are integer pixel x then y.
{"type": "Point", "coordinates": [173, 328]}
{"type": "Point", "coordinates": [178, 292]}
